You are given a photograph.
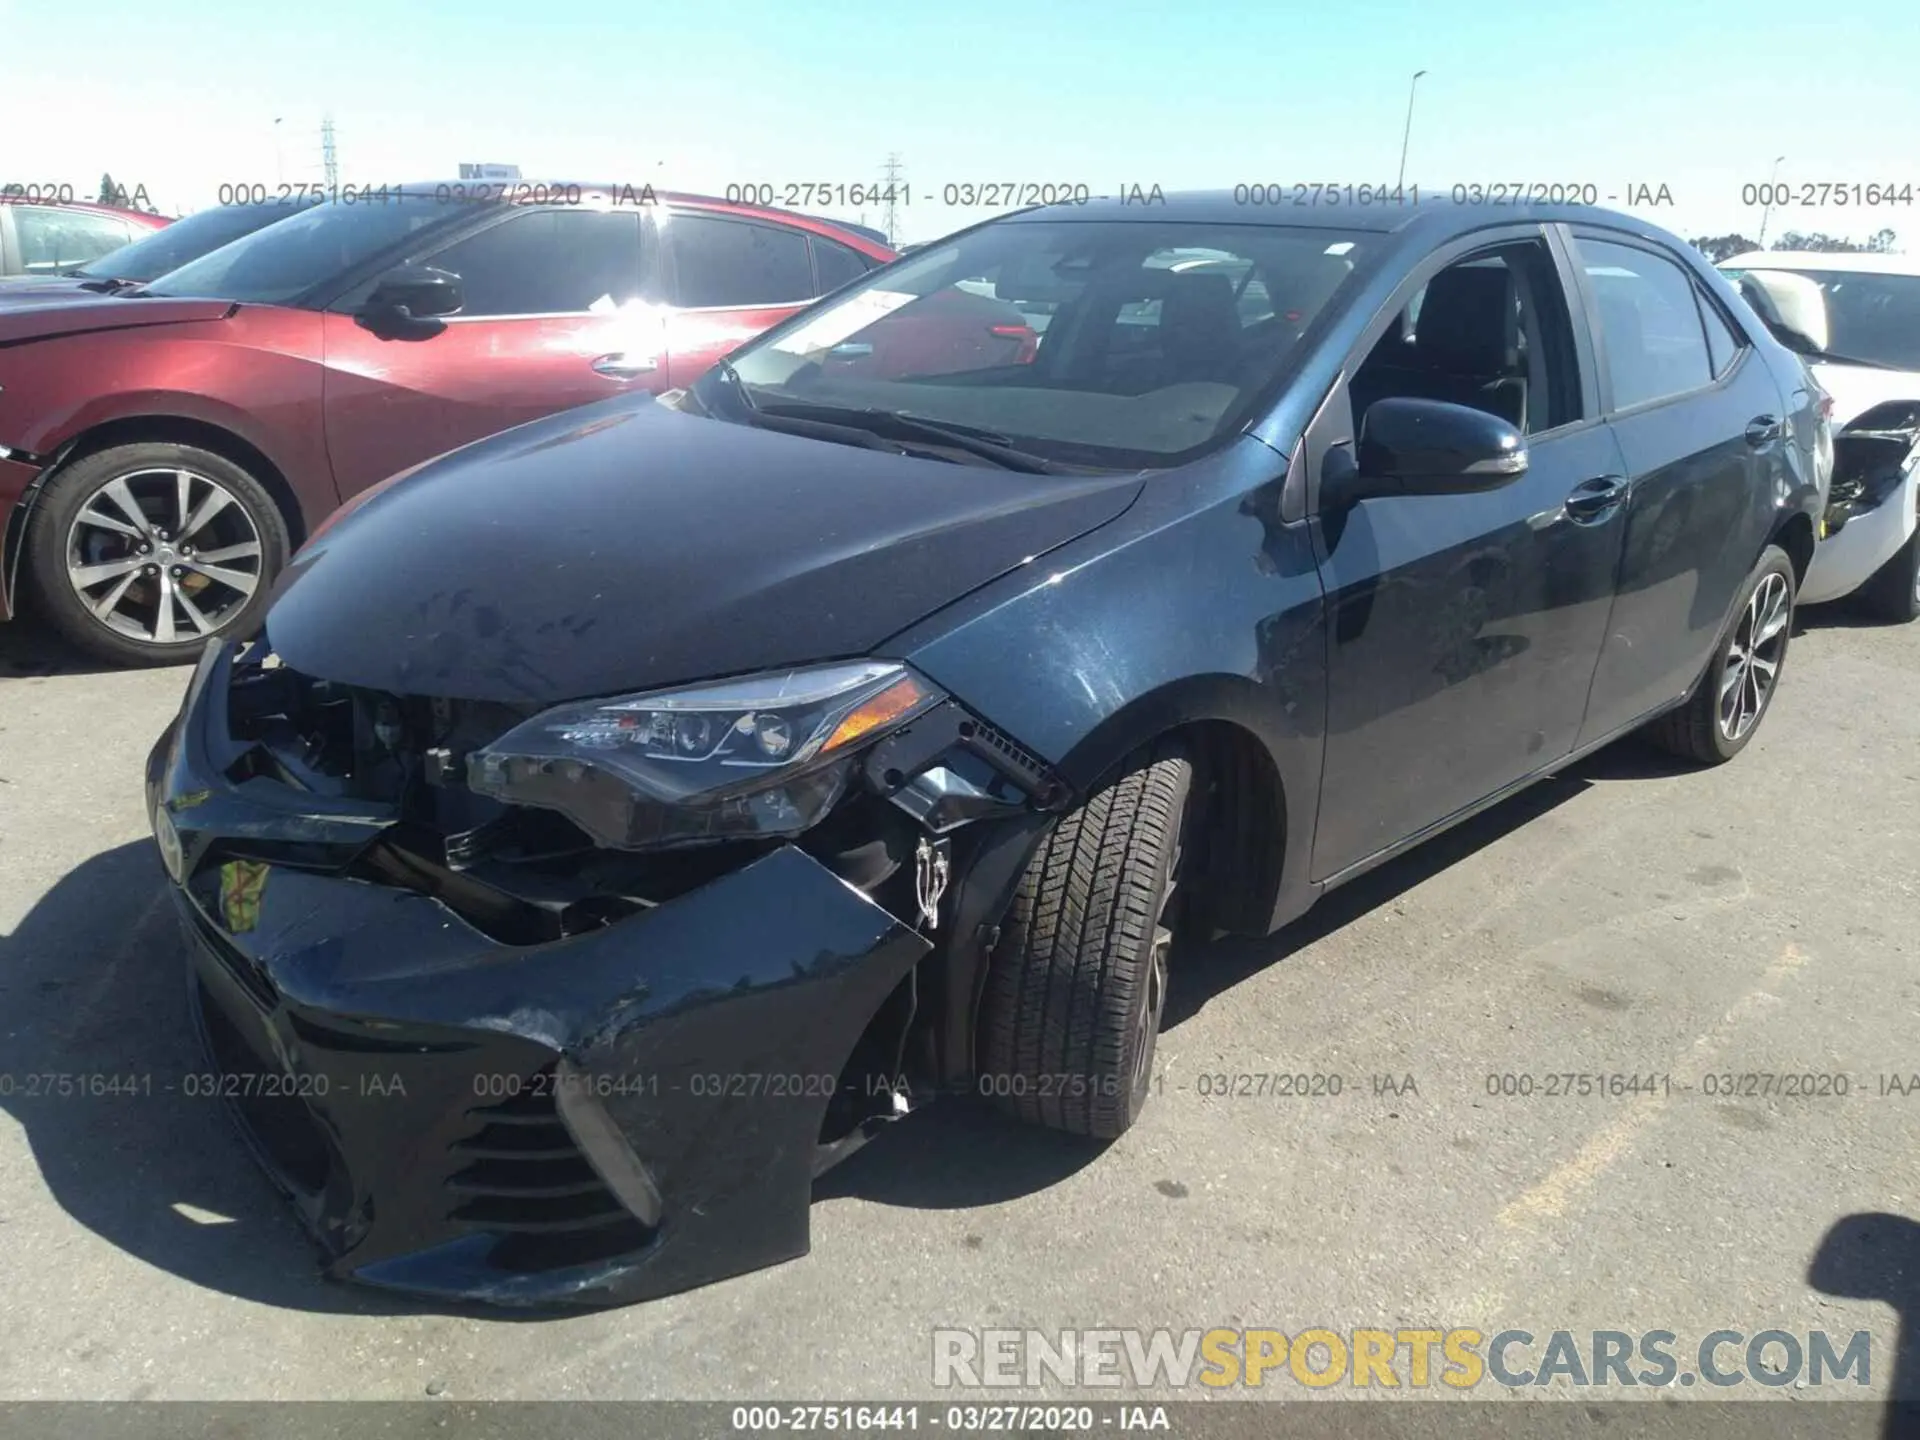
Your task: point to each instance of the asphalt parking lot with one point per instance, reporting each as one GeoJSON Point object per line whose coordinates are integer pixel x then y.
{"type": "Point", "coordinates": [1630, 917]}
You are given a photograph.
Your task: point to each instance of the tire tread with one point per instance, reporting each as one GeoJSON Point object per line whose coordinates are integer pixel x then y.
{"type": "Point", "coordinates": [1064, 978]}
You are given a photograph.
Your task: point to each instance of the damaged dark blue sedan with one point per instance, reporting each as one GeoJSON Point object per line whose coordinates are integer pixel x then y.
{"type": "Point", "coordinates": [620, 819]}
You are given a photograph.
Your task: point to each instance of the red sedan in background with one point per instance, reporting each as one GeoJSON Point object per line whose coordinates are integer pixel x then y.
{"type": "Point", "coordinates": [164, 449]}
{"type": "Point", "coordinates": [50, 237]}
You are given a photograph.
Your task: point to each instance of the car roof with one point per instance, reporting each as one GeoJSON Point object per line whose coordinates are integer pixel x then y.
{"type": "Point", "coordinates": [1865, 263]}
{"type": "Point", "coordinates": [1435, 212]}
{"type": "Point", "coordinates": [146, 217]}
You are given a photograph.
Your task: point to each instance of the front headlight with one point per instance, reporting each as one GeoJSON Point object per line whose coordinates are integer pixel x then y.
{"type": "Point", "coordinates": [758, 757]}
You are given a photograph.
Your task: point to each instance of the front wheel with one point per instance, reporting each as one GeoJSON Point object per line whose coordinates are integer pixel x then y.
{"type": "Point", "coordinates": [1078, 981]}
{"type": "Point", "coordinates": [141, 553]}
{"type": "Point", "coordinates": [1730, 700]}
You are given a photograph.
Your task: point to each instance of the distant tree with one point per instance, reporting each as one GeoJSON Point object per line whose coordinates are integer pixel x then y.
{"type": "Point", "coordinates": [1821, 241]}
{"type": "Point", "coordinates": [107, 187]}
{"type": "Point", "coordinates": [1881, 242]}
{"type": "Point", "coordinates": [1723, 247]}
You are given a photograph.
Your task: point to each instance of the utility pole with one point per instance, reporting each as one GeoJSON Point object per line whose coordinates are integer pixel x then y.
{"type": "Point", "coordinates": [329, 162]}
{"type": "Point", "coordinates": [895, 180]}
{"type": "Point", "coordinates": [1766, 211]}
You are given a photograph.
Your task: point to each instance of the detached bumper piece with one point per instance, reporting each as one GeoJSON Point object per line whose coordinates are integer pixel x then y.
{"type": "Point", "coordinates": [602, 1118]}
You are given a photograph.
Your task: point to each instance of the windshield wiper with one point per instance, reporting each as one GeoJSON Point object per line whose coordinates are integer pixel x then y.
{"type": "Point", "coordinates": [818, 429]}
{"type": "Point", "coordinates": [968, 438]}
{"type": "Point", "coordinates": [108, 287]}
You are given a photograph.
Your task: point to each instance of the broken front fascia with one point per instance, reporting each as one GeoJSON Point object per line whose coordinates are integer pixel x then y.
{"type": "Point", "coordinates": [606, 1117]}
{"type": "Point", "coordinates": [1872, 456]}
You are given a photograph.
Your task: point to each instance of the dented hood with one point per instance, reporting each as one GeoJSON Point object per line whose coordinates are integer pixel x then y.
{"type": "Point", "coordinates": [1858, 388]}
{"type": "Point", "coordinates": [22, 317]}
{"type": "Point", "coordinates": [626, 545]}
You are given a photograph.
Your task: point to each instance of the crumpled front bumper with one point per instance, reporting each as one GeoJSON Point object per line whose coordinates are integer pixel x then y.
{"type": "Point", "coordinates": [1859, 541]}
{"type": "Point", "coordinates": [603, 1119]}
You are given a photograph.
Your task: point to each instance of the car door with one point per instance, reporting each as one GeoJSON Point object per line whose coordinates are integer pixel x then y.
{"type": "Point", "coordinates": [728, 278]}
{"type": "Point", "coordinates": [557, 312]}
{"type": "Point", "coordinates": [1463, 629]}
{"type": "Point", "coordinates": [1701, 424]}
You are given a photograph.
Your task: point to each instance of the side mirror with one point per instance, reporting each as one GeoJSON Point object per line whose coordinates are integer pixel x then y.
{"type": "Point", "coordinates": [1430, 447]}
{"type": "Point", "coordinates": [414, 292]}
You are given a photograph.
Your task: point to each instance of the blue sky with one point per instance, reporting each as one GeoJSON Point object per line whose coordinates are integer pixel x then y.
{"type": "Point", "coordinates": [182, 97]}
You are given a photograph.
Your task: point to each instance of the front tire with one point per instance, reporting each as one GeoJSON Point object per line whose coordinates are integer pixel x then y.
{"type": "Point", "coordinates": [141, 553]}
{"type": "Point", "coordinates": [1726, 707]}
{"type": "Point", "coordinates": [1077, 983]}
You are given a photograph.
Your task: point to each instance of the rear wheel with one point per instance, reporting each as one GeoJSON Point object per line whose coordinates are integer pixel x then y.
{"type": "Point", "coordinates": [1078, 982]}
{"type": "Point", "coordinates": [1893, 591]}
{"type": "Point", "coordinates": [141, 553]}
{"type": "Point", "coordinates": [1727, 706]}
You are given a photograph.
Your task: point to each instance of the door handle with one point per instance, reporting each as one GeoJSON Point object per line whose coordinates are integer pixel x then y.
{"type": "Point", "coordinates": [622, 366]}
{"type": "Point", "coordinates": [1763, 429]}
{"type": "Point", "coordinates": [1594, 499]}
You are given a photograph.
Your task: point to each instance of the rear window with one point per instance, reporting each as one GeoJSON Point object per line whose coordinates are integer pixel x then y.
{"type": "Point", "coordinates": [719, 262]}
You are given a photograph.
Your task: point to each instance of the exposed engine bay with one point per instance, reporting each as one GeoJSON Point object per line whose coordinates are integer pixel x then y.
{"type": "Point", "coordinates": [1871, 457]}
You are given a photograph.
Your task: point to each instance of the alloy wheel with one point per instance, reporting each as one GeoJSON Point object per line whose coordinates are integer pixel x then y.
{"type": "Point", "coordinates": [1753, 658]}
{"type": "Point", "coordinates": [163, 555]}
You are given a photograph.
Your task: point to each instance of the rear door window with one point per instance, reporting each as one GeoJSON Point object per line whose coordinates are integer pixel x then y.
{"type": "Point", "coordinates": [1650, 326]}
{"type": "Point", "coordinates": [721, 262]}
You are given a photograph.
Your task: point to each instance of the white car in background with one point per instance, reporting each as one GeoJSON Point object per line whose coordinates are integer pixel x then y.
{"type": "Point", "coordinates": [1855, 319]}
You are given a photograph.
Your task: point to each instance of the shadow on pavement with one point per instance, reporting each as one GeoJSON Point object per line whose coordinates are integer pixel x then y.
{"type": "Point", "coordinates": [29, 648]}
{"type": "Point", "coordinates": [1834, 615]}
{"type": "Point", "coordinates": [1225, 963]}
{"type": "Point", "coordinates": [93, 984]}
{"type": "Point", "coordinates": [1876, 1256]}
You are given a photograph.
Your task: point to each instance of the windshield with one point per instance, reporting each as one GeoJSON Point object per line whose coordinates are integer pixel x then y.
{"type": "Point", "coordinates": [185, 239]}
{"type": "Point", "coordinates": [283, 261]}
{"type": "Point", "coordinates": [1132, 344]}
{"type": "Point", "coordinates": [1870, 317]}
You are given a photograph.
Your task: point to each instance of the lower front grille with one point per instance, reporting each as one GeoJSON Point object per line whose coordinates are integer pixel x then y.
{"type": "Point", "coordinates": [279, 1121]}
{"type": "Point", "coordinates": [526, 1181]}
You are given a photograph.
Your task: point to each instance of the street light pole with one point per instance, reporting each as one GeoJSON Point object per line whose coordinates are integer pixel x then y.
{"type": "Point", "coordinates": [1407, 134]}
{"type": "Point", "coordinates": [1766, 211]}
{"type": "Point", "coordinates": [279, 155]}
